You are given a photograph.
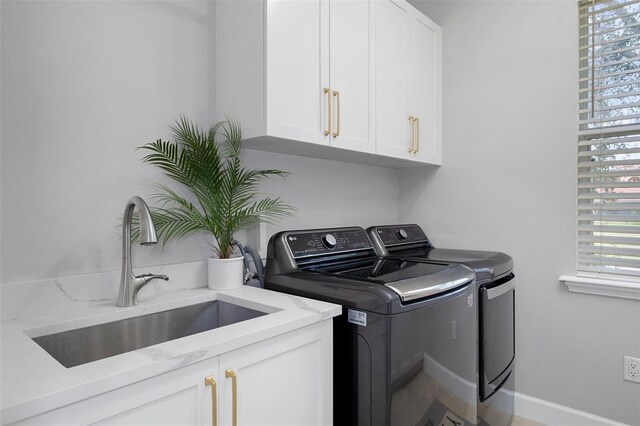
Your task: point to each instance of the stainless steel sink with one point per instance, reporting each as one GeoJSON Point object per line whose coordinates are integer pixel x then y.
{"type": "Point", "coordinates": [83, 345]}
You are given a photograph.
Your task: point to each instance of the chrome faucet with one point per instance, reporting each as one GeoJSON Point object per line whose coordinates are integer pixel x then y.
{"type": "Point", "coordinates": [131, 284]}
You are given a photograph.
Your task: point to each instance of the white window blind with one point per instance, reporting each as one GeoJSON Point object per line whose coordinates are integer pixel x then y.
{"type": "Point", "coordinates": [609, 138]}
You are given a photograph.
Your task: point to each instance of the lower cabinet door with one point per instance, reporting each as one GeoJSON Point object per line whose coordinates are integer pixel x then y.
{"type": "Point", "coordinates": [286, 380]}
{"type": "Point", "coordinates": [179, 397]}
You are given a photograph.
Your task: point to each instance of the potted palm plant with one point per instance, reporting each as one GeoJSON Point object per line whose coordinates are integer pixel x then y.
{"type": "Point", "coordinates": [222, 196]}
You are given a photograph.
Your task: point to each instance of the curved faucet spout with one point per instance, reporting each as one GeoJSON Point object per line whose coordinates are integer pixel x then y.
{"type": "Point", "coordinates": [131, 284]}
{"type": "Point", "coordinates": [147, 230]}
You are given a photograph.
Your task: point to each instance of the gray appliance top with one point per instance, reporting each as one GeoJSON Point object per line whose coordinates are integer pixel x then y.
{"type": "Point", "coordinates": [336, 255]}
{"type": "Point", "coordinates": [409, 241]}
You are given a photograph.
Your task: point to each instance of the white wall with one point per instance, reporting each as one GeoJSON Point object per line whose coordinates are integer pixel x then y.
{"type": "Point", "coordinates": [508, 183]}
{"type": "Point", "coordinates": [83, 84]}
{"type": "Point", "coordinates": [86, 82]}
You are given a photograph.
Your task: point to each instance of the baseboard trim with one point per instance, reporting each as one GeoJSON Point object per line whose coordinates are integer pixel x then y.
{"type": "Point", "coordinates": [552, 414]}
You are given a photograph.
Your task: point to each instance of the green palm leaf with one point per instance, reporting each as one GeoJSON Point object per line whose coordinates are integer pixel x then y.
{"type": "Point", "coordinates": [224, 193]}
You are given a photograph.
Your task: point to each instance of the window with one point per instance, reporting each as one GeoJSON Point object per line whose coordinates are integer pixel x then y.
{"type": "Point", "coordinates": [609, 138]}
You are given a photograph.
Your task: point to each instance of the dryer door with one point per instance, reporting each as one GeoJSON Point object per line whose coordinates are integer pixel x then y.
{"type": "Point", "coordinates": [497, 334]}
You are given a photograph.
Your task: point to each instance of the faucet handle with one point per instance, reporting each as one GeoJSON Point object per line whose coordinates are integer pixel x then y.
{"type": "Point", "coordinates": [149, 277]}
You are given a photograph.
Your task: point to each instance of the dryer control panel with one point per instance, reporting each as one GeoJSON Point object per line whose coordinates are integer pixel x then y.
{"type": "Point", "coordinates": [398, 234]}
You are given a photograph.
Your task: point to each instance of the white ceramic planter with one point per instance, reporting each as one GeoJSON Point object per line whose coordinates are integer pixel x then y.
{"type": "Point", "coordinates": [225, 274]}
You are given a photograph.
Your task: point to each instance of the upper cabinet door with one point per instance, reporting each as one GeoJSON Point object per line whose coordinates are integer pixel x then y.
{"type": "Point", "coordinates": [408, 83]}
{"type": "Point", "coordinates": [426, 88]}
{"type": "Point", "coordinates": [350, 51]}
{"type": "Point", "coordinates": [297, 69]}
{"type": "Point", "coordinates": [318, 80]}
{"type": "Point", "coordinates": [392, 77]}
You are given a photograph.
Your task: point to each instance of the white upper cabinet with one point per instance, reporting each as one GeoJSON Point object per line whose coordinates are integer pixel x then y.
{"type": "Point", "coordinates": [425, 96]}
{"type": "Point", "coordinates": [407, 83]}
{"type": "Point", "coordinates": [317, 71]}
{"type": "Point", "coordinates": [350, 81]}
{"type": "Point", "coordinates": [332, 79]}
{"type": "Point", "coordinates": [296, 66]}
{"type": "Point", "coordinates": [392, 77]}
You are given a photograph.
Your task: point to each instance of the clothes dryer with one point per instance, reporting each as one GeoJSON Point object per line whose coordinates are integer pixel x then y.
{"type": "Point", "coordinates": [496, 313]}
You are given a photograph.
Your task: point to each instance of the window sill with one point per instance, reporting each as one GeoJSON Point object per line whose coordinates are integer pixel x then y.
{"type": "Point", "coordinates": [602, 287]}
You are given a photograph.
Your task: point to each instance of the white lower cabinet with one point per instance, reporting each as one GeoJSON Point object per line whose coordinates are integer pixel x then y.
{"type": "Point", "coordinates": [285, 380]}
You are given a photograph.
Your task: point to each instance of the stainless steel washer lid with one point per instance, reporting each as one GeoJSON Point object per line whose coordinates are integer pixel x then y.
{"type": "Point", "coordinates": [432, 284]}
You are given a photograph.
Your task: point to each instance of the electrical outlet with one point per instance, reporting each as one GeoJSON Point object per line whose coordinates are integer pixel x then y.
{"type": "Point", "coordinates": [632, 369]}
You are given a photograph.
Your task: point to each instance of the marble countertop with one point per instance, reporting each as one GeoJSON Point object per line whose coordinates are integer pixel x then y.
{"type": "Point", "coordinates": [33, 382]}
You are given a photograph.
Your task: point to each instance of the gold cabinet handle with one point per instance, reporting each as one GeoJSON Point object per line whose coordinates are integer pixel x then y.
{"type": "Point", "coordinates": [411, 120]}
{"type": "Point", "coordinates": [337, 132]}
{"type": "Point", "coordinates": [416, 120]}
{"type": "Point", "coordinates": [329, 100]}
{"type": "Point", "coordinates": [229, 373]}
{"type": "Point", "coordinates": [209, 381]}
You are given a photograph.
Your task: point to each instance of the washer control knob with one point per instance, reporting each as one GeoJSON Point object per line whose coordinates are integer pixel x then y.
{"type": "Point", "coordinates": [329, 241]}
{"type": "Point", "coordinates": [401, 234]}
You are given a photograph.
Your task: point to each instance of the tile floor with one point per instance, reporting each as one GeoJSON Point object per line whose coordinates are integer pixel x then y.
{"type": "Point", "coordinates": [519, 421]}
{"type": "Point", "coordinates": [423, 394]}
